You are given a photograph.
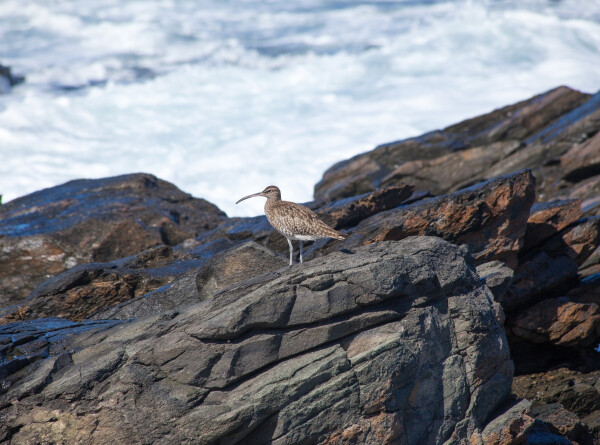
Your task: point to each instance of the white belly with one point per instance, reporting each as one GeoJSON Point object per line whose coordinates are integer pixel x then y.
{"type": "Point", "coordinates": [300, 237]}
{"type": "Point", "coordinates": [306, 237]}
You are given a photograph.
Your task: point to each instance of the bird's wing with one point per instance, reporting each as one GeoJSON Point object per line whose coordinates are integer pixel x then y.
{"type": "Point", "coordinates": [304, 221]}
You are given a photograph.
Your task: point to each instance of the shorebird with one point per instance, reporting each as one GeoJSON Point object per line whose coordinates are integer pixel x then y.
{"type": "Point", "coordinates": [294, 221]}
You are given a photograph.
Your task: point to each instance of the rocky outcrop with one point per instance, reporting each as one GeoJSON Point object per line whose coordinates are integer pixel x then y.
{"type": "Point", "coordinates": [489, 217]}
{"type": "Point", "coordinates": [530, 134]}
{"type": "Point", "coordinates": [84, 221]}
{"type": "Point", "coordinates": [551, 299]}
{"type": "Point", "coordinates": [141, 285]}
{"type": "Point", "coordinates": [350, 347]}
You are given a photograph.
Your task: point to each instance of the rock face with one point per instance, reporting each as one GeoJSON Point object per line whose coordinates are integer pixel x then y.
{"type": "Point", "coordinates": [84, 221]}
{"type": "Point", "coordinates": [556, 135]}
{"type": "Point", "coordinates": [350, 347]}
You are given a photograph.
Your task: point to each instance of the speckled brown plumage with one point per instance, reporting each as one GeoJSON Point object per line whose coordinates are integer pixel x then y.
{"type": "Point", "coordinates": [298, 222]}
{"type": "Point", "coordinates": [294, 221]}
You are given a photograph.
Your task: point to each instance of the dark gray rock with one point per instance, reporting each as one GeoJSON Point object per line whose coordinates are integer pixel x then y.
{"type": "Point", "coordinates": [496, 276]}
{"type": "Point", "coordinates": [249, 264]}
{"type": "Point", "coordinates": [397, 341]}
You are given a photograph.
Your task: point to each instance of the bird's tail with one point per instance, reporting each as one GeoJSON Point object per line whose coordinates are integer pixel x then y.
{"type": "Point", "coordinates": [340, 235]}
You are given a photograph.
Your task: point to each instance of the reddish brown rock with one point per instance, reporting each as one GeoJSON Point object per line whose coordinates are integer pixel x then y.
{"type": "Point", "coordinates": [382, 428]}
{"type": "Point", "coordinates": [489, 217]}
{"type": "Point", "coordinates": [540, 276]}
{"type": "Point", "coordinates": [548, 218]}
{"type": "Point", "coordinates": [86, 288]}
{"type": "Point", "coordinates": [587, 290]}
{"type": "Point", "coordinates": [348, 178]}
{"type": "Point", "coordinates": [558, 321]}
{"type": "Point", "coordinates": [52, 230]}
{"type": "Point", "coordinates": [593, 423]}
{"type": "Point", "coordinates": [453, 171]}
{"type": "Point", "coordinates": [577, 241]}
{"type": "Point", "coordinates": [588, 191]}
{"type": "Point", "coordinates": [343, 214]}
{"type": "Point", "coordinates": [509, 428]}
{"type": "Point", "coordinates": [564, 422]}
{"type": "Point", "coordinates": [141, 285]}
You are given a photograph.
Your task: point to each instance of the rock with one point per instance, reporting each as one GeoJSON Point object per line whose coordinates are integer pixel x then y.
{"type": "Point", "coordinates": [343, 214]}
{"type": "Point", "coordinates": [25, 346]}
{"type": "Point", "coordinates": [510, 426]}
{"type": "Point", "coordinates": [593, 424]}
{"type": "Point", "coordinates": [587, 291]}
{"type": "Point", "coordinates": [467, 168]}
{"type": "Point", "coordinates": [576, 391]}
{"type": "Point", "coordinates": [142, 285]}
{"type": "Point", "coordinates": [560, 322]}
{"type": "Point", "coordinates": [350, 345]}
{"type": "Point", "coordinates": [523, 135]}
{"type": "Point", "coordinates": [540, 276]}
{"type": "Point", "coordinates": [582, 160]}
{"type": "Point", "coordinates": [349, 212]}
{"type": "Point", "coordinates": [548, 218]}
{"type": "Point", "coordinates": [552, 266]}
{"type": "Point", "coordinates": [489, 217]}
{"type": "Point", "coordinates": [250, 264]}
{"type": "Point", "coordinates": [562, 422]}
{"type": "Point", "coordinates": [520, 422]}
{"type": "Point", "coordinates": [588, 191]}
{"type": "Point", "coordinates": [82, 221]}
{"type": "Point", "coordinates": [496, 276]}
{"type": "Point", "coordinates": [578, 241]}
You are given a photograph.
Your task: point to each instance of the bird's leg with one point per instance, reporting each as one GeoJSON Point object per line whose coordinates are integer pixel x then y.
{"type": "Point", "coordinates": [291, 249]}
{"type": "Point", "coordinates": [300, 251]}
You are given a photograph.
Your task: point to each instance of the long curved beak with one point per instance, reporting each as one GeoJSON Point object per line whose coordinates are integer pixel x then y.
{"type": "Point", "coordinates": [250, 196]}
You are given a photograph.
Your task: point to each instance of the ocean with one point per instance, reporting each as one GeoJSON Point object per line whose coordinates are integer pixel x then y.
{"type": "Point", "coordinates": [223, 98]}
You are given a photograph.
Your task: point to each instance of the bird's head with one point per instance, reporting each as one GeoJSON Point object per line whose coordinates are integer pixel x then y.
{"type": "Point", "coordinates": [271, 192]}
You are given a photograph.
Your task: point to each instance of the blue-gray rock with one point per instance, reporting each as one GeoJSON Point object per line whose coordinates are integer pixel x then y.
{"type": "Point", "coordinates": [396, 341]}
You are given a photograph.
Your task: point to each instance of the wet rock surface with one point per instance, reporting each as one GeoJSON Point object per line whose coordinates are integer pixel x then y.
{"type": "Point", "coordinates": [167, 306]}
{"type": "Point", "coordinates": [97, 220]}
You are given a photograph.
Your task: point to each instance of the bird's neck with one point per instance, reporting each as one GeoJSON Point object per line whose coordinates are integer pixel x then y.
{"type": "Point", "coordinates": [271, 202]}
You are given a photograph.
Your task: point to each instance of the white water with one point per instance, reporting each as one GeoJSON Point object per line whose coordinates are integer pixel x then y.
{"type": "Point", "coordinates": [223, 98]}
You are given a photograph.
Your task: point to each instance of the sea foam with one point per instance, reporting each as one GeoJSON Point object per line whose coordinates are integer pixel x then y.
{"type": "Point", "coordinates": [225, 98]}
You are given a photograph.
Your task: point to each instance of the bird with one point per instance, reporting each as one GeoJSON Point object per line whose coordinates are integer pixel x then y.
{"type": "Point", "coordinates": [294, 221]}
